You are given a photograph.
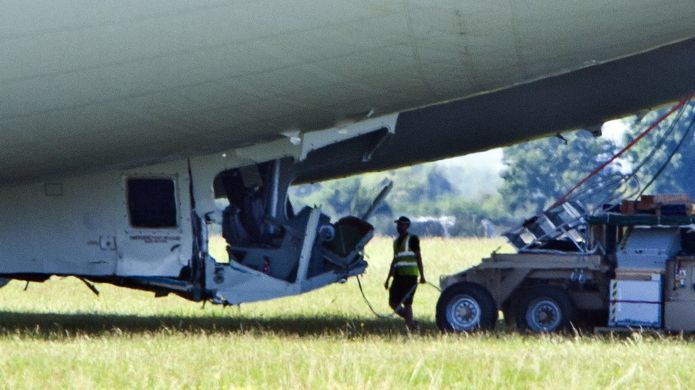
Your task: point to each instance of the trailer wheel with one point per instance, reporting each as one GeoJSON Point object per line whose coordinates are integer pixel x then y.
{"type": "Point", "coordinates": [465, 307]}
{"type": "Point", "coordinates": [544, 309]}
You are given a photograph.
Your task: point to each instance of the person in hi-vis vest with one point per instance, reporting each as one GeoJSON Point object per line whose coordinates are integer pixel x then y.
{"type": "Point", "coordinates": [405, 269]}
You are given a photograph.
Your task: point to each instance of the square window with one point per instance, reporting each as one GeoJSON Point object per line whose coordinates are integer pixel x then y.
{"type": "Point", "coordinates": [152, 203]}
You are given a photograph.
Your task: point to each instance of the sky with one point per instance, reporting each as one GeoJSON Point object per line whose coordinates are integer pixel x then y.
{"type": "Point", "coordinates": [489, 163]}
{"type": "Point", "coordinates": [614, 130]}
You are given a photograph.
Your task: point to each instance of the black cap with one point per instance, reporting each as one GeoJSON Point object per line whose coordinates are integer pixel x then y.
{"type": "Point", "coordinates": [404, 220]}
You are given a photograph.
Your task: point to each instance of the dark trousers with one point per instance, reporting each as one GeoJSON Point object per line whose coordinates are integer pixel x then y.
{"type": "Point", "coordinates": [402, 286]}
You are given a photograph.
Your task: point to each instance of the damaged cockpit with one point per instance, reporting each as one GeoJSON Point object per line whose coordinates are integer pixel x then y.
{"type": "Point", "coordinates": [149, 227]}
{"type": "Point", "coordinates": [269, 244]}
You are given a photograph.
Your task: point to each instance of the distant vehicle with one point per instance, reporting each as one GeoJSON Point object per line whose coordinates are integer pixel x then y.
{"type": "Point", "coordinates": [617, 269]}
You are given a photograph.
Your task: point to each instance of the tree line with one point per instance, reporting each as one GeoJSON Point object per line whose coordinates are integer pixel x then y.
{"type": "Point", "coordinates": [535, 174]}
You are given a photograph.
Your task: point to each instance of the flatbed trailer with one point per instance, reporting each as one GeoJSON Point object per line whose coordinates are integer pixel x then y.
{"type": "Point", "coordinates": [599, 282]}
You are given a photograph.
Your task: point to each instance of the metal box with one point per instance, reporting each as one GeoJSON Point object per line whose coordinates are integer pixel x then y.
{"type": "Point", "coordinates": [680, 280]}
{"type": "Point", "coordinates": [679, 308]}
{"type": "Point", "coordinates": [635, 303]}
{"type": "Point", "coordinates": [679, 316]}
{"type": "Point", "coordinates": [648, 249]}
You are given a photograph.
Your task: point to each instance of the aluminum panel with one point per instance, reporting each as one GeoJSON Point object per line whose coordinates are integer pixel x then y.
{"type": "Point", "coordinates": [648, 248]}
{"type": "Point", "coordinates": [636, 290]}
{"type": "Point", "coordinates": [635, 303]}
{"type": "Point", "coordinates": [635, 314]}
{"type": "Point", "coordinates": [680, 316]}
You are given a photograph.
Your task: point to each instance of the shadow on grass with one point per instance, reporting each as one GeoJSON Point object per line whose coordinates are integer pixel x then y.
{"type": "Point", "coordinates": [49, 325]}
{"type": "Point", "coordinates": [66, 325]}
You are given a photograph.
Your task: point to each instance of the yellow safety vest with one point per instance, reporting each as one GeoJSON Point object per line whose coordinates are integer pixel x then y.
{"type": "Point", "coordinates": [404, 259]}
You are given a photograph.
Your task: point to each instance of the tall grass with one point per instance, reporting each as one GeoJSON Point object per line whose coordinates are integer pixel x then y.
{"type": "Point", "coordinates": [58, 334]}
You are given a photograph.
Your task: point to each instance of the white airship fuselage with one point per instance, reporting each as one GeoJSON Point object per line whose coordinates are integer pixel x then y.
{"type": "Point", "coordinates": [101, 84]}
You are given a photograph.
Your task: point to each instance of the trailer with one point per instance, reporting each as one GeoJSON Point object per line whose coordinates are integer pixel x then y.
{"type": "Point", "coordinates": [623, 267]}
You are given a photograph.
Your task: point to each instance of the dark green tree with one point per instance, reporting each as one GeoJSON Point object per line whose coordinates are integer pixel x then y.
{"type": "Point", "coordinates": [538, 172]}
{"type": "Point", "coordinates": [421, 190]}
{"type": "Point", "coordinates": [653, 151]}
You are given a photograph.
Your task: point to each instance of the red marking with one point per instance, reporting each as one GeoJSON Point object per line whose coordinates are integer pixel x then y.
{"type": "Point", "coordinates": [673, 109]}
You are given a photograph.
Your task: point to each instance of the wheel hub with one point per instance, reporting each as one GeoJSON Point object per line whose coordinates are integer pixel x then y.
{"type": "Point", "coordinates": [544, 315]}
{"type": "Point", "coordinates": [463, 313]}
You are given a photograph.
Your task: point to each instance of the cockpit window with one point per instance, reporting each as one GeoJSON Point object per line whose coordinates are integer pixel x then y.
{"type": "Point", "coordinates": [152, 203]}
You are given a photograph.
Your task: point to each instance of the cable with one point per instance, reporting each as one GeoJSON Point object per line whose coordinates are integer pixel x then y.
{"type": "Point", "coordinates": [390, 315]}
{"type": "Point", "coordinates": [610, 181]}
{"type": "Point", "coordinates": [668, 159]}
{"type": "Point", "coordinates": [564, 197]}
{"type": "Point", "coordinates": [660, 142]}
{"type": "Point", "coordinates": [625, 178]}
{"type": "Point", "coordinates": [379, 315]}
{"type": "Point", "coordinates": [624, 194]}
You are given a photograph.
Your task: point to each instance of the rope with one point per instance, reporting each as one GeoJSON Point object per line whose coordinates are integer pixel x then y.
{"type": "Point", "coordinates": [612, 186]}
{"type": "Point", "coordinates": [670, 156]}
{"type": "Point", "coordinates": [389, 315]}
{"type": "Point", "coordinates": [624, 179]}
{"type": "Point", "coordinates": [633, 175]}
{"type": "Point", "coordinates": [369, 304]}
{"type": "Point", "coordinates": [627, 147]}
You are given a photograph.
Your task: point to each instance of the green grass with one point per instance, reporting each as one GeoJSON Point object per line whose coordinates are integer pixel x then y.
{"type": "Point", "coordinates": [58, 334]}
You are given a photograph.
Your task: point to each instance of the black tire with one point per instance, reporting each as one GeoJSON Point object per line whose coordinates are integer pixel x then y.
{"type": "Point", "coordinates": [544, 309]}
{"type": "Point", "coordinates": [466, 307]}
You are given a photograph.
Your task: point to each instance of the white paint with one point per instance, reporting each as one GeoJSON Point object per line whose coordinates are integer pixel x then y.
{"type": "Point", "coordinates": [67, 234]}
{"type": "Point", "coordinates": [319, 139]}
{"type": "Point", "coordinates": [84, 229]}
{"type": "Point", "coordinates": [308, 245]}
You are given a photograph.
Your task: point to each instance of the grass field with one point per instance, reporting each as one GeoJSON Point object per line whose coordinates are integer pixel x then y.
{"type": "Point", "coordinates": [58, 334]}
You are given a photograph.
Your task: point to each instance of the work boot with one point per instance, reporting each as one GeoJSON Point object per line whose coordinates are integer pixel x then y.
{"type": "Point", "coordinates": [408, 317]}
{"type": "Point", "coordinates": [412, 325]}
